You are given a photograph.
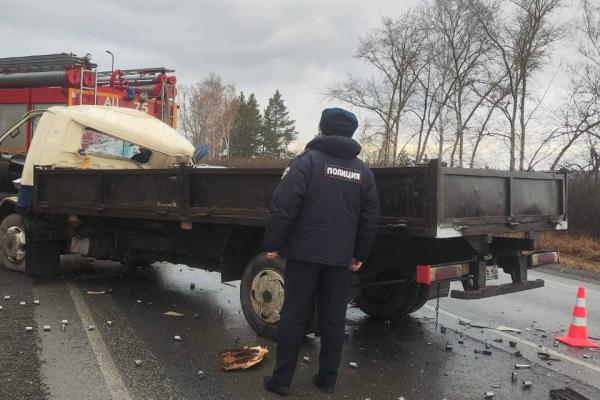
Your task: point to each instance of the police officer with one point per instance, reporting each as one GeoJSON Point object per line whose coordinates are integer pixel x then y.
{"type": "Point", "coordinates": [323, 219]}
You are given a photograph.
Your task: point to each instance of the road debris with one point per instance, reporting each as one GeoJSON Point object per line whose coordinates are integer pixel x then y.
{"type": "Point", "coordinates": [498, 340]}
{"type": "Point", "coordinates": [47, 328]}
{"type": "Point", "coordinates": [173, 314]}
{"type": "Point", "coordinates": [138, 363]}
{"type": "Point", "coordinates": [587, 356]}
{"type": "Point", "coordinates": [566, 393]}
{"type": "Point", "coordinates": [546, 356]}
{"type": "Point", "coordinates": [91, 327]}
{"type": "Point", "coordinates": [109, 323]}
{"type": "Point", "coordinates": [512, 343]}
{"type": "Point", "coordinates": [36, 302]}
{"type": "Point", "coordinates": [503, 328]}
{"type": "Point", "coordinates": [28, 328]}
{"type": "Point", "coordinates": [353, 364]}
{"type": "Point", "coordinates": [22, 303]}
{"type": "Point", "coordinates": [449, 347]}
{"type": "Point", "coordinates": [192, 286]}
{"type": "Point", "coordinates": [527, 384]}
{"type": "Point", "coordinates": [443, 329]}
{"type": "Point", "coordinates": [177, 338]}
{"type": "Point", "coordinates": [514, 376]}
{"type": "Point", "coordinates": [6, 297]}
{"type": "Point", "coordinates": [479, 325]}
{"type": "Point", "coordinates": [0, 308]}
{"type": "Point", "coordinates": [65, 321]}
{"type": "Point", "coordinates": [489, 395]}
{"type": "Point", "coordinates": [242, 358]}
{"type": "Point", "coordinates": [522, 366]}
{"type": "Point", "coordinates": [495, 386]}
{"type": "Point", "coordinates": [555, 343]}
{"type": "Point", "coordinates": [201, 374]}
{"type": "Point", "coordinates": [306, 359]}
{"type": "Point", "coordinates": [138, 301]}
{"type": "Point", "coordinates": [97, 292]}
{"type": "Point", "coordinates": [63, 327]}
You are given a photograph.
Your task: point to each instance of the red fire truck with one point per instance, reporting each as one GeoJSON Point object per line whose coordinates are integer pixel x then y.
{"type": "Point", "coordinates": [38, 82]}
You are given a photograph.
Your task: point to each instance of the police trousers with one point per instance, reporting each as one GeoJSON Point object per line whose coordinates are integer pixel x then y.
{"type": "Point", "coordinates": [305, 284]}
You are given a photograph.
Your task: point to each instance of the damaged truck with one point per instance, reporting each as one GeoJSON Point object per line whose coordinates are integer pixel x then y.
{"type": "Point", "coordinates": [119, 185]}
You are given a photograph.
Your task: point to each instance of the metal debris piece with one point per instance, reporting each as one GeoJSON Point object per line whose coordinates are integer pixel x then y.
{"type": "Point", "coordinates": [495, 386]}
{"type": "Point", "coordinates": [522, 366]}
{"type": "Point", "coordinates": [192, 286]}
{"type": "Point", "coordinates": [63, 327]}
{"type": "Point", "coordinates": [201, 374]}
{"type": "Point", "coordinates": [544, 335]}
{"type": "Point", "coordinates": [138, 363]}
{"type": "Point", "coordinates": [479, 325]}
{"type": "Point", "coordinates": [173, 314]}
{"type": "Point", "coordinates": [177, 338]}
{"type": "Point", "coordinates": [484, 352]}
{"type": "Point", "coordinates": [242, 358]}
{"type": "Point", "coordinates": [443, 329]}
{"type": "Point", "coordinates": [540, 330]}
{"type": "Point", "coordinates": [196, 316]}
{"type": "Point", "coordinates": [353, 364]}
{"type": "Point", "coordinates": [586, 356]}
{"type": "Point", "coordinates": [36, 302]}
{"type": "Point", "coordinates": [514, 376]}
{"type": "Point", "coordinates": [518, 353]}
{"type": "Point", "coordinates": [97, 292]}
{"type": "Point", "coordinates": [566, 393]}
{"type": "Point", "coordinates": [47, 328]}
{"type": "Point", "coordinates": [449, 347]}
{"type": "Point", "coordinates": [461, 342]}
{"type": "Point", "coordinates": [512, 343]}
{"type": "Point", "coordinates": [65, 321]}
{"type": "Point", "coordinates": [22, 303]}
{"type": "Point", "coordinates": [91, 327]}
{"type": "Point", "coordinates": [526, 384]}
{"type": "Point", "coordinates": [487, 346]}
{"type": "Point", "coordinates": [543, 355]}
{"type": "Point", "coordinates": [6, 297]}
{"type": "Point", "coordinates": [489, 395]}
{"type": "Point", "coordinates": [28, 328]}
{"type": "Point", "coordinates": [0, 308]}
{"type": "Point", "coordinates": [109, 323]}
{"type": "Point", "coordinates": [498, 340]}
{"type": "Point", "coordinates": [463, 322]}
{"type": "Point", "coordinates": [138, 301]}
{"type": "Point", "coordinates": [306, 359]}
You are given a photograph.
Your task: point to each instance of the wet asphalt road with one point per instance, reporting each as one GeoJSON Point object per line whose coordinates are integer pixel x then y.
{"type": "Point", "coordinates": [396, 358]}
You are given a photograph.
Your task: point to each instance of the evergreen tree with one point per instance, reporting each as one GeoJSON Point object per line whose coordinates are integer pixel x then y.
{"type": "Point", "coordinates": [278, 130]}
{"type": "Point", "coordinates": [245, 134]}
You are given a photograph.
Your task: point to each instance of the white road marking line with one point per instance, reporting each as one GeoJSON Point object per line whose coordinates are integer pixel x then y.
{"type": "Point", "coordinates": [584, 284]}
{"type": "Point", "coordinates": [115, 385]}
{"type": "Point", "coordinates": [523, 341]}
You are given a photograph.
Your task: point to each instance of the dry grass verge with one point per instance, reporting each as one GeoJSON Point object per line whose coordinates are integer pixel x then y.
{"type": "Point", "coordinates": [576, 250]}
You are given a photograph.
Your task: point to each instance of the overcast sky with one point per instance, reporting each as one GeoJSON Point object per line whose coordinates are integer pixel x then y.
{"type": "Point", "coordinates": [298, 47]}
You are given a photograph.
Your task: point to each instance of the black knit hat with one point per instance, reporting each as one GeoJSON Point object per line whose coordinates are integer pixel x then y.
{"type": "Point", "coordinates": [338, 122]}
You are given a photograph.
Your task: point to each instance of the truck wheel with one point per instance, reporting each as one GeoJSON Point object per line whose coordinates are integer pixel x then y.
{"type": "Point", "coordinates": [389, 301]}
{"type": "Point", "coordinates": [262, 293]}
{"type": "Point", "coordinates": [422, 298]}
{"type": "Point", "coordinates": [12, 243]}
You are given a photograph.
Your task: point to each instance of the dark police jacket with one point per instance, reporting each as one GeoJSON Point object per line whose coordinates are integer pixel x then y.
{"type": "Point", "coordinates": [326, 208]}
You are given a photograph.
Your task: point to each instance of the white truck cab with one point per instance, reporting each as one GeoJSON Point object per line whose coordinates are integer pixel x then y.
{"type": "Point", "coordinates": [99, 137]}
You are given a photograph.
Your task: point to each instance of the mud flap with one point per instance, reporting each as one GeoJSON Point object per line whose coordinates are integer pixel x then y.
{"type": "Point", "coordinates": [42, 249]}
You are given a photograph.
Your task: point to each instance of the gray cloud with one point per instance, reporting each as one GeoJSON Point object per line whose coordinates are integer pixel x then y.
{"type": "Point", "coordinates": [298, 47]}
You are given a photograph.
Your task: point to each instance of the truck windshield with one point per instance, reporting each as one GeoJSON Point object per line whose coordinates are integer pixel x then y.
{"type": "Point", "coordinates": [95, 142]}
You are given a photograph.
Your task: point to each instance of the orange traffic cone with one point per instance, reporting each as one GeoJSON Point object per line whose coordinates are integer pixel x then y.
{"type": "Point", "coordinates": [577, 335]}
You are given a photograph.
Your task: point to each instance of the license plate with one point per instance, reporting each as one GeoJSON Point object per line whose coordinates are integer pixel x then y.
{"type": "Point", "coordinates": [491, 272]}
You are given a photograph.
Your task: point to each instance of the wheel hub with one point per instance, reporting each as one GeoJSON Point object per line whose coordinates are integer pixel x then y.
{"type": "Point", "coordinates": [267, 294]}
{"type": "Point", "coordinates": [14, 244]}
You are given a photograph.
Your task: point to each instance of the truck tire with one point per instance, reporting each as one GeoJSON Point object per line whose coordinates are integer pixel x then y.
{"type": "Point", "coordinates": [262, 293]}
{"type": "Point", "coordinates": [12, 243]}
{"type": "Point", "coordinates": [390, 301]}
{"type": "Point", "coordinates": [422, 298]}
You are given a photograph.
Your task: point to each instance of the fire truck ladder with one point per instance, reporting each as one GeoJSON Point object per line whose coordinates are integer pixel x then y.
{"type": "Point", "coordinates": [94, 88]}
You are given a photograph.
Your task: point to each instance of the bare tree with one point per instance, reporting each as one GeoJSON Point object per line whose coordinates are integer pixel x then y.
{"type": "Point", "coordinates": [581, 114]}
{"type": "Point", "coordinates": [522, 41]}
{"type": "Point", "coordinates": [394, 51]}
{"type": "Point", "coordinates": [208, 110]}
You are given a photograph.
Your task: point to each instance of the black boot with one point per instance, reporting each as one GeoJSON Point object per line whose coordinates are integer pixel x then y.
{"type": "Point", "coordinates": [323, 388]}
{"type": "Point", "coordinates": [273, 387]}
